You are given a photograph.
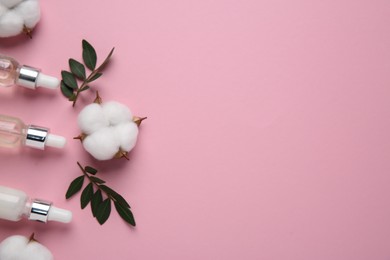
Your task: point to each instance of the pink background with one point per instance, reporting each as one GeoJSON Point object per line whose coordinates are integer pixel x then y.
{"type": "Point", "coordinates": [267, 135]}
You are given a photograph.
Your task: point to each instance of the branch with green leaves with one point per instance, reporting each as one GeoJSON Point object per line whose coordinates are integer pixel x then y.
{"type": "Point", "coordinates": [93, 194]}
{"type": "Point", "coordinates": [69, 83]}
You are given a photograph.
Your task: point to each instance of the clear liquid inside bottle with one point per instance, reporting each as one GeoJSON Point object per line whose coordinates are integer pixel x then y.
{"type": "Point", "coordinates": [9, 69]}
{"type": "Point", "coordinates": [12, 131]}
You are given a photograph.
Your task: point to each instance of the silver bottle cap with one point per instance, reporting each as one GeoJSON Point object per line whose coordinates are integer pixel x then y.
{"type": "Point", "coordinates": [28, 77]}
{"type": "Point", "coordinates": [40, 210]}
{"type": "Point", "coordinates": [36, 136]}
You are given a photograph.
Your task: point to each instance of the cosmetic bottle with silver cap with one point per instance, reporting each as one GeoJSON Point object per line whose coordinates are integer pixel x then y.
{"type": "Point", "coordinates": [14, 133]}
{"type": "Point", "coordinates": [12, 73]}
{"type": "Point", "coordinates": [15, 204]}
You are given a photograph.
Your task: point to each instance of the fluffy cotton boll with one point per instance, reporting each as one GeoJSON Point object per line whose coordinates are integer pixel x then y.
{"type": "Point", "coordinates": [108, 130]}
{"type": "Point", "coordinates": [18, 16]}
{"type": "Point", "coordinates": [36, 251]}
{"type": "Point", "coordinates": [10, 24]}
{"type": "Point", "coordinates": [116, 112]}
{"type": "Point", "coordinates": [102, 144]}
{"type": "Point", "coordinates": [91, 119]}
{"type": "Point", "coordinates": [30, 12]}
{"type": "Point", "coordinates": [10, 3]}
{"type": "Point", "coordinates": [21, 248]}
{"type": "Point", "coordinates": [126, 134]}
{"type": "Point", "coordinates": [3, 9]}
{"type": "Point", "coordinates": [11, 246]}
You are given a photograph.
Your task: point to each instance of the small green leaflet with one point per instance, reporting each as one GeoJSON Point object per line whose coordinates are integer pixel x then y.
{"type": "Point", "coordinates": [66, 91]}
{"type": "Point", "coordinates": [95, 201]}
{"type": "Point", "coordinates": [95, 77]}
{"type": "Point", "coordinates": [89, 55]}
{"type": "Point", "coordinates": [75, 186]}
{"type": "Point", "coordinates": [125, 213]}
{"type": "Point", "coordinates": [103, 211]}
{"type": "Point", "coordinates": [69, 79]}
{"type": "Point", "coordinates": [77, 68]}
{"type": "Point", "coordinates": [115, 195]}
{"type": "Point", "coordinates": [90, 170]}
{"type": "Point", "coordinates": [84, 88]}
{"type": "Point", "coordinates": [96, 179]}
{"type": "Point", "coordinates": [86, 195]}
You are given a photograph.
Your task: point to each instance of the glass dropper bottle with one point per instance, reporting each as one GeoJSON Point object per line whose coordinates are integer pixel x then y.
{"type": "Point", "coordinates": [14, 133]}
{"type": "Point", "coordinates": [15, 204]}
{"type": "Point", "coordinates": [12, 73]}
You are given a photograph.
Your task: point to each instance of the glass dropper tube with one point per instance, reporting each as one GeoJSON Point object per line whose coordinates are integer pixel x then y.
{"type": "Point", "coordinates": [14, 133]}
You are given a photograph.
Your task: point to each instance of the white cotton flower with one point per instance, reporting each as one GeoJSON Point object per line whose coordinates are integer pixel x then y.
{"type": "Point", "coordinates": [3, 10]}
{"type": "Point", "coordinates": [102, 144]}
{"type": "Point", "coordinates": [18, 15]}
{"type": "Point", "coordinates": [10, 3]}
{"type": "Point", "coordinates": [108, 129]}
{"type": "Point", "coordinates": [10, 24]}
{"type": "Point", "coordinates": [28, 10]}
{"type": "Point", "coordinates": [92, 118]}
{"type": "Point", "coordinates": [126, 134]}
{"type": "Point", "coordinates": [116, 112]}
{"type": "Point", "coordinates": [22, 248]}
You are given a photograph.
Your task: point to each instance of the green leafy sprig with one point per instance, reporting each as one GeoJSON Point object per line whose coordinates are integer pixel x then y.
{"type": "Point", "coordinates": [69, 83]}
{"type": "Point", "coordinates": [93, 195]}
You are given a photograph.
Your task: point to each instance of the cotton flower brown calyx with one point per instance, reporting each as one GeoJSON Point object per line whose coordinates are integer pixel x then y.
{"type": "Point", "coordinates": [17, 16]}
{"type": "Point", "coordinates": [23, 248]}
{"type": "Point", "coordinates": [109, 129]}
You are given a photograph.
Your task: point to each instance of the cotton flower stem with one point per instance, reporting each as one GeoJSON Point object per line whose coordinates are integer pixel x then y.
{"type": "Point", "coordinates": [100, 205]}
{"type": "Point", "coordinates": [95, 183]}
{"type": "Point", "coordinates": [90, 180]}
{"type": "Point", "coordinates": [84, 85]}
{"type": "Point", "coordinates": [95, 73]}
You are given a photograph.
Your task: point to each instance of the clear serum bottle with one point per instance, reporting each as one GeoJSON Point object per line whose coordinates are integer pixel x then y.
{"type": "Point", "coordinates": [15, 205]}
{"type": "Point", "coordinates": [12, 73]}
{"type": "Point", "coordinates": [14, 133]}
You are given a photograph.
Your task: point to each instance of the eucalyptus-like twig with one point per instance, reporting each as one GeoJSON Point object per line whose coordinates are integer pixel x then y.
{"type": "Point", "coordinates": [93, 194]}
{"type": "Point", "coordinates": [69, 83]}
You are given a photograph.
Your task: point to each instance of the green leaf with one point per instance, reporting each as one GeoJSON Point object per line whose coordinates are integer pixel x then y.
{"type": "Point", "coordinates": [90, 170]}
{"type": "Point", "coordinates": [72, 98]}
{"type": "Point", "coordinates": [96, 180]}
{"type": "Point", "coordinates": [96, 200]}
{"type": "Point", "coordinates": [115, 195]}
{"type": "Point", "coordinates": [75, 186]}
{"type": "Point", "coordinates": [69, 79]}
{"type": "Point", "coordinates": [84, 88]}
{"type": "Point", "coordinates": [77, 68]}
{"type": "Point", "coordinates": [66, 91]}
{"type": "Point", "coordinates": [103, 211]}
{"type": "Point", "coordinates": [86, 195]}
{"type": "Point", "coordinates": [121, 200]}
{"type": "Point", "coordinates": [107, 189]}
{"type": "Point", "coordinates": [95, 77]}
{"type": "Point", "coordinates": [89, 55]}
{"type": "Point", "coordinates": [125, 213]}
